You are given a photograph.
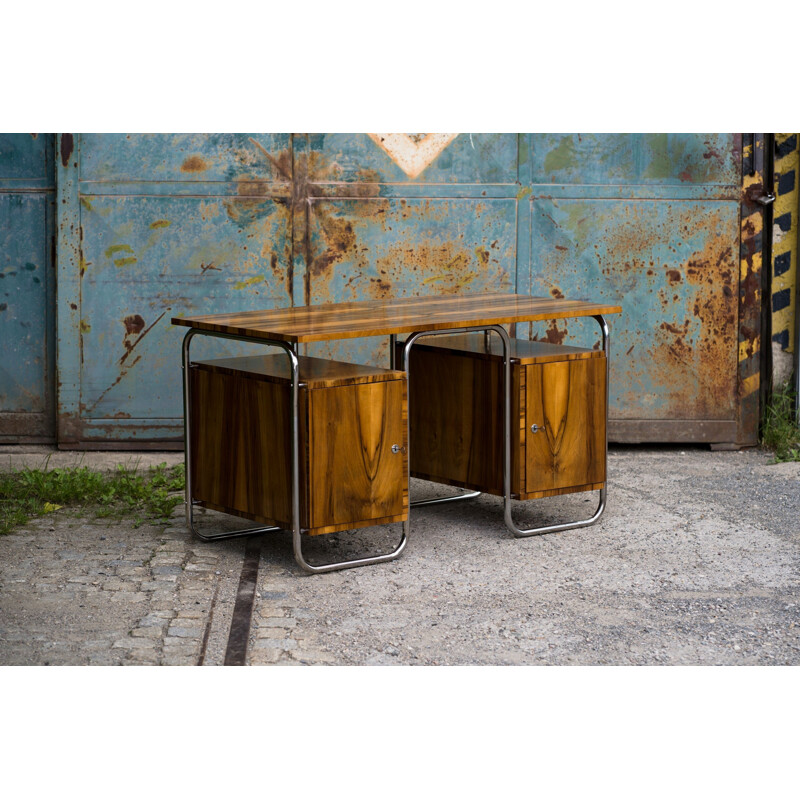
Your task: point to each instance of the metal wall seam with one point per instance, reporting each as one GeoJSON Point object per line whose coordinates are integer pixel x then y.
{"type": "Point", "coordinates": [68, 301]}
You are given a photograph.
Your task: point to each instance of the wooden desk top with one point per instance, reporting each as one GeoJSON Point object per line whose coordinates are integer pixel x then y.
{"type": "Point", "coordinates": [382, 317]}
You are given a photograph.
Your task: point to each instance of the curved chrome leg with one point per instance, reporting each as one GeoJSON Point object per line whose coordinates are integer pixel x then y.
{"type": "Point", "coordinates": [187, 460]}
{"type": "Point", "coordinates": [291, 353]}
{"type": "Point", "coordinates": [467, 494]}
{"type": "Point", "coordinates": [522, 532]}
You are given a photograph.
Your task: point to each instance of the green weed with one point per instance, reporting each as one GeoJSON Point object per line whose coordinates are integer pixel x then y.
{"type": "Point", "coordinates": [779, 430]}
{"type": "Point", "coordinates": [125, 492]}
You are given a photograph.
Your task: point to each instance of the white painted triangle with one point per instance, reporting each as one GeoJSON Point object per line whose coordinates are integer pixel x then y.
{"type": "Point", "coordinates": [412, 157]}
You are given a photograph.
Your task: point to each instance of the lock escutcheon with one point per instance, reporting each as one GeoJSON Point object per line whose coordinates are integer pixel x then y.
{"type": "Point", "coordinates": [396, 448]}
{"type": "Point", "coordinates": [536, 428]}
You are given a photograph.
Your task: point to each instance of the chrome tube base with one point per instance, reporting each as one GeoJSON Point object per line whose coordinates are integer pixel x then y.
{"type": "Point", "coordinates": [521, 533]}
{"type": "Point", "coordinates": [524, 532]}
{"type": "Point", "coordinates": [449, 499]}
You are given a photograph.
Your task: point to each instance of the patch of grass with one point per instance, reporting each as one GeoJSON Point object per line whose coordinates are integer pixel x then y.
{"type": "Point", "coordinates": [145, 495]}
{"type": "Point", "coordinates": [779, 432]}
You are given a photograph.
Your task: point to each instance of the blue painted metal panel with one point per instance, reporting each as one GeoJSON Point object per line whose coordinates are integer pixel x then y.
{"type": "Point", "coordinates": [193, 157]}
{"type": "Point", "coordinates": [157, 225]}
{"type": "Point", "coordinates": [379, 248]}
{"type": "Point", "coordinates": [26, 288]}
{"type": "Point", "coordinates": [23, 303]}
{"type": "Point", "coordinates": [151, 227]}
{"type": "Point", "coordinates": [652, 159]}
{"type": "Point", "coordinates": [147, 259]}
{"type": "Point", "coordinates": [650, 221]}
{"type": "Point", "coordinates": [673, 267]}
{"type": "Point", "coordinates": [25, 157]}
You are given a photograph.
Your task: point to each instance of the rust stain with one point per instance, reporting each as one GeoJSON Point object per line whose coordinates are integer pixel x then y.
{"type": "Point", "coordinates": [691, 348]}
{"type": "Point", "coordinates": [194, 164]}
{"type": "Point", "coordinates": [206, 267]}
{"type": "Point", "coordinates": [667, 326]}
{"type": "Point", "coordinates": [282, 164]}
{"type": "Point", "coordinates": [121, 375]}
{"type": "Point", "coordinates": [553, 334]}
{"type": "Point", "coordinates": [557, 293]}
{"type": "Point", "coordinates": [134, 324]}
{"type": "Point", "coordinates": [67, 146]}
{"type": "Point", "coordinates": [70, 428]}
{"type": "Point", "coordinates": [340, 239]}
{"type": "Point", "coordinates": [674, 276]}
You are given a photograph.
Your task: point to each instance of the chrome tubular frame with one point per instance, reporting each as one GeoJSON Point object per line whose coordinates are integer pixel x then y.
{"type": "Point", "coordinates": [466, 494]}
{"type": "Point", "coordinates": [290, 350]}
{"type": "Point", "coordinates": [520, 532]}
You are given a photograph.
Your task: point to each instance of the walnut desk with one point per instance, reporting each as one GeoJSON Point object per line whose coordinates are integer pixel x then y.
{"type": "Point", "coordinates": [308, 486]}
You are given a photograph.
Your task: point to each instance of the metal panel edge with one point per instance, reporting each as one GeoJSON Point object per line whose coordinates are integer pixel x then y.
{"type": "Point", "coordinates": [750, 291]}
{"type": "Point", "coordinates": [68, 259]}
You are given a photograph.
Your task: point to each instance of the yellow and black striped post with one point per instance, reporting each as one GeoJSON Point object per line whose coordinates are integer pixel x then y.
{"type": "Point", "coordinates": [784, 254]}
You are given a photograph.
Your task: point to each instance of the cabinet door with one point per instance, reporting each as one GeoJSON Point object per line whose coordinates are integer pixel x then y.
{"type": "Point", "coordinates": [566, 400]}
{"type": "Point", "coordinates": [354, 475]}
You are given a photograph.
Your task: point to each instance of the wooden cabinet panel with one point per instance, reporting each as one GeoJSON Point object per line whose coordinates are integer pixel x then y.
{"type": "Point", "coordinates": [240, 420]}
{"type": "Point", "coordinates": [241, 445]}
{"type": "Point", "coordinates": [457, 418]}
{"type": "Point", "coordinates": [455, 405]}
{"type": "Point", "coordinates": [566, 401]}
{"type": "Point", "coordinates": [354, 475]}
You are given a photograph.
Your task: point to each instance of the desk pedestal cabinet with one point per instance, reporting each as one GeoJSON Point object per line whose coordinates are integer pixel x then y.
{"type": "Point", "coordinates": [352, 433]}
{"type": "Point", "coordinates": [558, 411]}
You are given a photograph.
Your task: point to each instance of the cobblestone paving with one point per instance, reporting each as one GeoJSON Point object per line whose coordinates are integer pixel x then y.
{"type": "Point", "coordinates": [74, 591]}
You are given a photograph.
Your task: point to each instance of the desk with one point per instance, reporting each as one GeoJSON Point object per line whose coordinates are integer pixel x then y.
{"type": "Point", "coordinates": [415, 316]}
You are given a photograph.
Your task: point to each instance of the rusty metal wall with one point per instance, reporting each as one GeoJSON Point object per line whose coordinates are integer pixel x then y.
{"type": "Point", "coordinates": [151, 226]}
{"type": "Point", "coordinates": [27, 288]}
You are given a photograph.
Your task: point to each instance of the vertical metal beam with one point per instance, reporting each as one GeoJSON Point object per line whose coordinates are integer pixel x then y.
{"type": "Point", "coordinates": [69, 267]}
{"type": "Point", "coordinates": [750, 339]}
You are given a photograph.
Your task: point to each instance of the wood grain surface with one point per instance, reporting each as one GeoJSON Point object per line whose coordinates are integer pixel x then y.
{"type": "Point", "coordinates": [315, 373]}
{"type": "Point", "coordinates": [568, 400]}
{"type": "Point", "coordinates": [456, 418]}
{"type": "Point", "coordinates": [353, 473]}
{"type": "Point", "coordinates": [402, 315]}
{"type": "Point", "coordinates": [522, 351]}
{"type": "Point", "coordinates": [455, 407]}
{"type": "Point", "coordinates": [241, 444]}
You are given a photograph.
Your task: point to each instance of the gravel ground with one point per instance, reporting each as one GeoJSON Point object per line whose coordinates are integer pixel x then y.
{"type": "Point", "coordinates": [694, 562]}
